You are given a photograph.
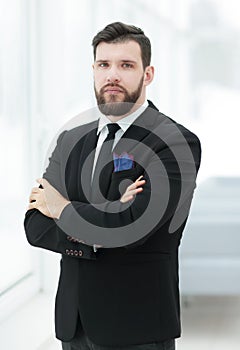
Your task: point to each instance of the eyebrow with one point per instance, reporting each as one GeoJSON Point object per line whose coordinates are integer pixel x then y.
{"type": "Point", "coordinates": [124, 61]}
{"type": "Point", "coordinates": [98, 61]}
{"type": "Point", "coordinates": [129, 61]}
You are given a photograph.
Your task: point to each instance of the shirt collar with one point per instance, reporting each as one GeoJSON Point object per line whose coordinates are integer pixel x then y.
{"type": "Point", "coordinates": [123, 123]}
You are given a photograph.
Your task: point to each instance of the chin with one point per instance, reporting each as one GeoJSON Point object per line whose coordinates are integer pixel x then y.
{"type": "Point", "coordinates": [116, 109]}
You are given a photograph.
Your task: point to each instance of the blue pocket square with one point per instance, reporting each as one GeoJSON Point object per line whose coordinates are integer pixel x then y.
{"type": "Point", "coordinates": [123, 161]}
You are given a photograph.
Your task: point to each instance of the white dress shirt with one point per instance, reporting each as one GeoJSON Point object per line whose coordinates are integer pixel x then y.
{"type": "Point", "coordinates": [124, 124]}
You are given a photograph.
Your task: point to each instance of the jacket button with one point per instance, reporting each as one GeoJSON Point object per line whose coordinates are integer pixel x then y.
{"type": "Point", "coordinates": [71, 252]}
{"type": "Point", "coordinates": [80, 253]}
{"type": "Point", "coordinates": [67, 251]}
{"type": "Point", "coordinates": [75, 252]}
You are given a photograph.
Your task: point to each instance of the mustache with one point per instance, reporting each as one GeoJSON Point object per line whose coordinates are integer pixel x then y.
{"type": "Point", "coordinates": [112, 85]}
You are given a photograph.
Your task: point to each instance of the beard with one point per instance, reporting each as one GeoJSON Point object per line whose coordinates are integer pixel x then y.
{"type": "Point", "coordinates": [112, 106]}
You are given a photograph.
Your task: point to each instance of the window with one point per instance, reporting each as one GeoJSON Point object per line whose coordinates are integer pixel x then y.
{"type": "Point", "coordinates": [17, 267]}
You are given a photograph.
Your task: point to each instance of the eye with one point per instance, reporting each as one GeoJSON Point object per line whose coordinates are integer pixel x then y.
{"type": "Point", "coordinates": [127, 65]}
{"type": "Point", "coordinates": [103, 65]}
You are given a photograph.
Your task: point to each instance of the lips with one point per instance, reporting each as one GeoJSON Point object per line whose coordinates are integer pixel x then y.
{"type": "Point", "coordinates": [113, 90]}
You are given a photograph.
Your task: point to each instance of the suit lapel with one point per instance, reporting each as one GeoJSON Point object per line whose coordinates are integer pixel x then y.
{"type": "Point", "coordinates": [135, 141]}
{"type": "Point", "coordinates": [138, 131]}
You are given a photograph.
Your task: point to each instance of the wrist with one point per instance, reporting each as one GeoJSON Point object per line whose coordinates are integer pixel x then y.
{"type": "Point", "coordinates": [61, 208]}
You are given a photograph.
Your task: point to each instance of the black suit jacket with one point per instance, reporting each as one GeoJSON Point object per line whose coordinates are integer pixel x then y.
{"type": "Point", "coordinates": [127, 292]}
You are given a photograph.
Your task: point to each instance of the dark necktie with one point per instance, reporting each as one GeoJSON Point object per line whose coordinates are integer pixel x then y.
{"type": "Point", "coordinates": [104, 166]}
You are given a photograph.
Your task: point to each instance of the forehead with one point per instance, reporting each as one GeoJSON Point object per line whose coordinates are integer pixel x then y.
{"type": "Point", "coordinates": [129, 50]}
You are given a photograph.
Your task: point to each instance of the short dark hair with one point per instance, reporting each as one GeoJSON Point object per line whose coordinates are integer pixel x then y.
{"type": "Point", "coordinates": [120, 32]}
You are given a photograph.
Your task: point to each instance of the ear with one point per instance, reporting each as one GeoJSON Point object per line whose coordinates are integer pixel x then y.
{"type": "Point", "coordinates": [93, 70]}
{"type": "Point", "coordinates": [148, 75]}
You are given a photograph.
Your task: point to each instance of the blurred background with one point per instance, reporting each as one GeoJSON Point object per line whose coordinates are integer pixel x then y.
{"type": "Point", "coordinates": [46, 79]}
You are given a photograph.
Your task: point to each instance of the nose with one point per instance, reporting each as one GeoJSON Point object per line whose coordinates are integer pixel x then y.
{"type": "Point", "coordinates": [113, 76]}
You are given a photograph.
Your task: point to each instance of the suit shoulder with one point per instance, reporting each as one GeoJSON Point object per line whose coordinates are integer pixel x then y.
{"type": "Point", "coordinates": [81, 129]}
{"type": "Point", "coordinates": [76, 133]}
{"type": "Point", "coordinates": [177, 135]}
{"type": "Point", "coordinates": [188, 134]}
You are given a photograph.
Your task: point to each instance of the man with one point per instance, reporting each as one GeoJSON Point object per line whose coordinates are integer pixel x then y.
{"type": "Point", "coordinates": [114, 201]}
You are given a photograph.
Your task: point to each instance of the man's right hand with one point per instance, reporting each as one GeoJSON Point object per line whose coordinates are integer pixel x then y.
{"type": "Point", "coordinates": [132, 190]}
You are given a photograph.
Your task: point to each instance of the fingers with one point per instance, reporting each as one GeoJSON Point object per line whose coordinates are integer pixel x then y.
{"type": "Point", "coordinates": [31, 206]}
{"type": "Point", "coordinates": [136, 184]}
{"type": "Point", "coordinates": [74, 240]}
{"type": "Point", "coordinates": [36, 197]}
{"type": "Point", "coordinates": [126, 198]}
{"type": "Point", "coordinates": [33, 203]}
{"type": "Point", "coordinates": [36, 191]}
{"type": "Point", "coordinates": [131, 193]}
{"type": "Point", "coordinates": [133, 190]}
{"type": "Point", "coordinates": [43, 182]}
{"type": "Point", "coordinates": [140, 177]}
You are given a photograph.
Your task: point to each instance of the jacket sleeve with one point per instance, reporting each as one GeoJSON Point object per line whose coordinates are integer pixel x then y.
{"type": "Point", "coordinates": [42, 231]}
